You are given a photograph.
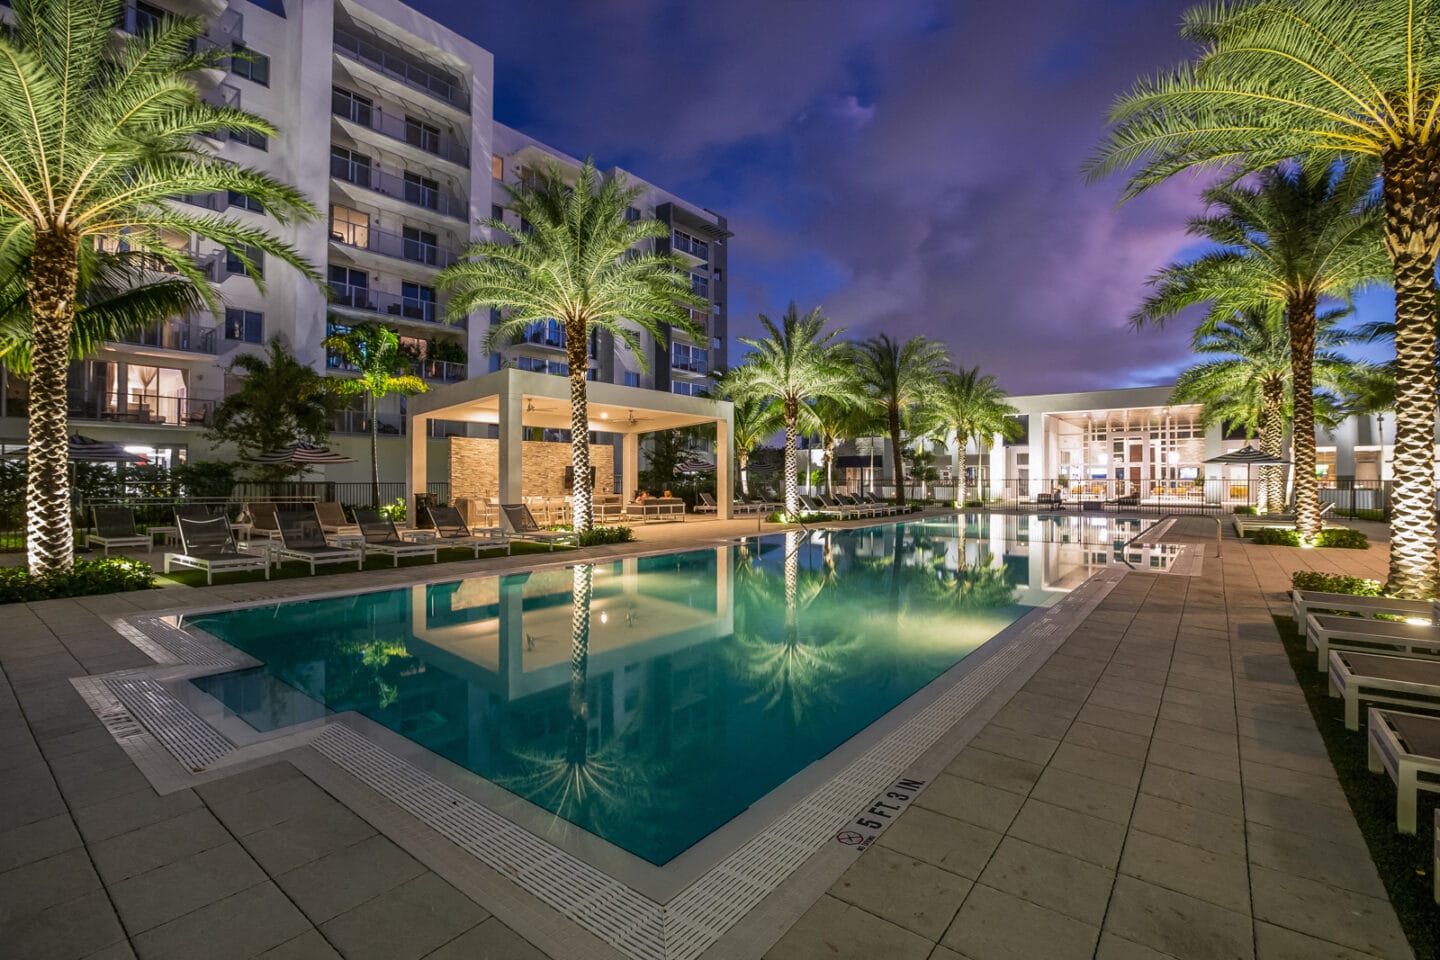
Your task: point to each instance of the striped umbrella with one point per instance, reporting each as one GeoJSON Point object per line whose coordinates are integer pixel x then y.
{"type": "Point", "coordinates": [303, 453]}
{"type": "Point", "coordinates": [88, 450]}
{"type": "Point", "coordinates": [1250, 456]}
{"type": "Point", "coordinates": [694, 466]}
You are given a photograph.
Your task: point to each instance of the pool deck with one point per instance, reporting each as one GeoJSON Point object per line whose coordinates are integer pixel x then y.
{"type": "Point", "coordinates": [1156, 789]}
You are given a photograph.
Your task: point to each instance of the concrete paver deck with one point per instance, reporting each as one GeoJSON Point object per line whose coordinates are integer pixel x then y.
{"type": "Point", "coordinates": [1155, 790]}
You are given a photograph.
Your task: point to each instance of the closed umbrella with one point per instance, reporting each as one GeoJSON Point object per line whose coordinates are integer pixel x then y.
{"type": "Point", "coordinates": [302, 453]}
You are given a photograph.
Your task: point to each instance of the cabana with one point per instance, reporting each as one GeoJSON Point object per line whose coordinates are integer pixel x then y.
{"type": "Point", "coordinates": [517, 400]}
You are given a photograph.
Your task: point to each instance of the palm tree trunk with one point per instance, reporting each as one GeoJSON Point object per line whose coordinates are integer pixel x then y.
{"type": "Point", "coordinates": [375, 457]}
{"type": "Point", "coordinates": [743, 460]}
{"type": "Point", "coordinates": [896, 469]}
{"type": "Point", "coordinates": [961, 441]}
{"type": "Point", "coordinates": [1301, 313]}
{"type": "Point", "coordinates": [582, 493]}
{"type": "Point", "coordinates": [1412, 221]}
{"type": "Point", "coordinates": [54, 273]}
{"type": "Point", "coordinates": [578, 741]}
{"type": "Point", "coordinates": [1272, 441]}
{"type": "Point", "coordinates": [792, 495]}
{"type": "Point", "coordinates": [830, 468]}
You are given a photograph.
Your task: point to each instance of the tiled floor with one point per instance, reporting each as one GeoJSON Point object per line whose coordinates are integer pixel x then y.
{"type": "Point", "coordinates": [1156, 790]}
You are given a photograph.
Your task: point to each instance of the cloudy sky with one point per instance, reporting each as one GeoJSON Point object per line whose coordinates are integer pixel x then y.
{"type": "Point", "coordinates": [911, 165]}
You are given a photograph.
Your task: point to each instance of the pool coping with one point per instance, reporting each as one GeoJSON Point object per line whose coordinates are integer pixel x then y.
{"type": "Point", "coordinates": [570, 907]}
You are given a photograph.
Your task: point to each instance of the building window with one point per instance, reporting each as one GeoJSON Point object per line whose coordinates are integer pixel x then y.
{"type": "Point", "coordinates": [245, 202]}
{"type": "Point", "coordinates": [686, 389]}
{"type": "Point", "coordinates": [685, 357]}
{"type": "Point", "coordinates": [350, 287]}
{"type": "Point", "coordinates": [350, 166]}
{"type": "Point", "coordinates": [417, 302]}
{"type": "Point", "coordinates": [420, 134]}
{"type": "Point", "coordinates": [351, 106]}
{"type": "Point", "coordinates": [497, 167]}
{"type": "Point", "coordinates": [247, 326]}
{"type": "Point", "coordinates": [422, 191]}
{"type": "Point", "coordinates": [681, 240]}
{"type": "Point", "coordinates": [419, 245]}
{"type": "Point", "coordinates": [700, 284]}
{"type": "Point", "coordinates": [350, 226]}
{"type": "Point", "coordinates": [525, 226]}
{"type": "Point", "coordinates": [632, 214]}
{"type": "Point", "coordinates": [497, 212]}
{"type": "Point", "coordinates": [251, 138]}
{"type": "Point", "coordinates": [233, 263]}
{"type": "Point", "coordinates": [253, 66]}
{"type": "Point", "coordinates": [632, 379]}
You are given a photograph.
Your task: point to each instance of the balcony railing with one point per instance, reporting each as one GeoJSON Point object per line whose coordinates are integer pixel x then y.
{"type": "Point", "coordinates": [542, 338]}
{"type": "Point", "coordinates": [175, 335]}
{"type": "Point", "coordinates": [415, 194]}
{"type": "Point", "coordinates": [223, 33]}
{"type": "Point", "coordinates": [391, 244]}
{"type": "Point", "coordinates": [147, 409]}
{"type": "Point", "coordinates": [690, 366]}
{"type": "Point", "coordinates": [696, 248]}
{"type": "Point", "coordinates": [387, 304]}
{"type": "Point", "coordinates": [403, 69]}
{"type": "Point", "coordinates": [443, 146]}
{"type": "Point", "coordinates": [443, 371]}
{"type": "Point", "coordinates": [358, 421]}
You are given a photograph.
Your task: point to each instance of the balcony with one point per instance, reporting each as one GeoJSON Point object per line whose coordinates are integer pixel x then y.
{"type": "Point", "coordinates": [684, 243]}
{"type": "Point", "coordinates": [386, 304]}
{"type": "Point", "coordinates": [443, 371]}
{"type": "Point", "coordinates": [698, 367]}
{"type": "Point", "coordinates": [150, 410]}
{"type": "Point", "coordinates": [444, 146]}
{"type": "Point", "coordinates": [411, 73]}
{"type": "Point", "coordinates": [358, 421]}
{"type": "Point", "coordinates": [409, 249]}
{"type": "Point", "coordinates": [179, 335]}
{"type": "Point", "coordinates": [221, 35]}
{"type": "Point", "coordinates": [400, 188]}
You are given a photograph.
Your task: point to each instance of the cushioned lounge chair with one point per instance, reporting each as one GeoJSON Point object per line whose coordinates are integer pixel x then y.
{"type": "Point", "coordinates": [382, 538]}
{"type": "Point", "coordinates": [208, 545]}
{"type": "Point", "coordinates": [520, 523]}
{"type": "Point", "coordinates": [1407, 747]}
{"type": "Point", "coordinates": [1305, 602]}
{"type": "Point", "coordinates": [303, 539]}
{"type": "Point", "coordinates": [1324, 633]}
{"type": "Point", "coordinates": [1378, 678]}
{"type": "Point", "coordinates": [452, 531]}
{"type": "Point", "coordinates": [115, 527]}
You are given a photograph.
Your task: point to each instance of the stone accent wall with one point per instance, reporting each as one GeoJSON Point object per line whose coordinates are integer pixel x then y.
{"type": "Point", "coordinates": [475, 468]}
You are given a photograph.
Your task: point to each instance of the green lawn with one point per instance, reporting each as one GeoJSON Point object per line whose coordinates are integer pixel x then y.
{"type": "Point", "coordinates": [1405, 863]}
{"type": "Point", "coordinates": [293, 569]}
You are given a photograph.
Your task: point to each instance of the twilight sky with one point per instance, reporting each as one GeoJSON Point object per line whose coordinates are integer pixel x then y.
{"type": "Point", "coordinates": [911, 165]}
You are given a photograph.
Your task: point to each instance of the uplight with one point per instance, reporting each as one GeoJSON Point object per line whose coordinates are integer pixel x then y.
{"type": "Point", "coordinates": [604, 617]}
{"type": "Point", "coordinates": [1418, 621]}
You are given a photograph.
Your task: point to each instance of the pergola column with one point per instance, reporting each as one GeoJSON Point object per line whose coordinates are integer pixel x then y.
{"type": "Point", "coordinates": [629, 465]}
{"type": "Point", "coordinates": [724, 457]}
{"type": "Point", "coordinates": [417, 466]}
{"type": "Point", "coordinates": [512, 406]}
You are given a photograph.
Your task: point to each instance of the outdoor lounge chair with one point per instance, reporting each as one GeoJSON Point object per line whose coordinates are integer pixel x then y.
{"type": "Point", "coordinates": [1324, 633]}
{"type": "Point", "coordinates": [1306, 602]}
{"type": "Point", "coordinates": [451, 531]}
{"type": "Point", "coordinates": [208, 545]}
{"type": "Point", "coordinates": [1407, 747]}
{"type": "Point", "coordinates": [1244, 523]}
{"type": "Point", "coordinates": [115, 527]}
{"type": "Point", "coordinates": [707, 504]}
{"type": "Point", "coordinates": [381, 537]}
{"type": "Point", "coordinates": [850, 511]}
{"type": "Point", "coordinates": [519, 522]}
{"type": "Point", "coordinates": [1378, 678]}
{"type": "Point", "coordinates": [890, 508]}
{"type": "Point", "coordinates": [301, 538]}
{"type": "Point", "coordinates": [870, 509]}
{"type": "Point", "coordinates": [332, 519]}
{"type": "Point", "coordinates": [262, 520]}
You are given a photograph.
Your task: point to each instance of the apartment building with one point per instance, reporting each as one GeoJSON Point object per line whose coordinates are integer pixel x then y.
{"type": "Point", "coordinates": [386, 120]}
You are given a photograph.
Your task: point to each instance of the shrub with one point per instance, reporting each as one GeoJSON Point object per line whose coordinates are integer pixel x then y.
{"type": "Point", "coordinates": [779, 517]}
{"type": "Point", "coordinates": [1343, 538]}
{"type": "Point", "coordinates": [1245, 511]}
{"type": "Point", "coordinates": [1276, 537]}
{"type": "Point", "coordinates": [1335, 583]}
{"type": "Point", "coordinates": [974, 503]}
{"type": "Point", "coordinates": [394, 511]}
{"type": "Point", "coordinates": [86, 577]}
{"type": "Point", "coordinates": [599, 536]}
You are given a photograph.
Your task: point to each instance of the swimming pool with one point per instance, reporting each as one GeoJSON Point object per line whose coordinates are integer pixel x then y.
{"type": "Point", "coordinates": [651, 700]}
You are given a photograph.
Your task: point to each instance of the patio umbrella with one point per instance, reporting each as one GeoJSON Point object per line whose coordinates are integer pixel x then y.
{"type": "Point", "coordinates": [1250, 456]}
{"type": "Point", "coordinates": [695, 466]}
{"type": "Point", "coordinates": [304, 453]}
{"type": "Point", "coordinates": [88, 450]}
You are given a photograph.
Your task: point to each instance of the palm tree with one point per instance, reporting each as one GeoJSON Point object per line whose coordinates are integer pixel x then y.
{"type": "Point", "coordinates": [1322, 80]}
{"type": "Point", "coordinates": [97, 143]}
{"type": "Point", "coordinates": [575, 260]}
{"type": "Point", "coordinates": [1250, 382]}
{"type": "Point", "coordinates": [280, 401]}
{"type": "Point", "coordinates": [373, 349]}
{"type": "Point", "coordinates": [796, 361]}
{"type": "Point", "coordinates": [835, 418]}
{"type": "Point", "coordinates": [973, 407]}
{"type": "Point", "coordinates": [901, 377]}
{"type": "Point", "coordinates": [755, 421]}
{"type": "Point", "coordinates": [1297, 238]}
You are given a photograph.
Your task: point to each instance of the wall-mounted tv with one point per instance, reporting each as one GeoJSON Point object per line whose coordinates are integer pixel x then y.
{"type": "Point", "coordinates": [1189, 473]}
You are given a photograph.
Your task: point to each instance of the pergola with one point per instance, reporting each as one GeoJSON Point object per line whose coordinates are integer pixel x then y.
{"type": "Point", "coordinates": [516, 399]}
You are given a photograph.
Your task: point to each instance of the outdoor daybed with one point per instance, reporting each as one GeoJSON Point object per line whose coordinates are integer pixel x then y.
{"type": "Point", "coordinates": [1306, 602]}
{"type": "Point", "coordinates": [1322, 632]}
{"type": "Point", "coordinates": [1407, 747]}
{"type": "Point", "coordinates": [1378, 678]}
{"type": "Point", "coordinates": [208, 545]}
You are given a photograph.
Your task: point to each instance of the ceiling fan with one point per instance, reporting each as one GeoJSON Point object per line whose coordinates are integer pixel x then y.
{"type": "Point", "coordinates": [631, 419]}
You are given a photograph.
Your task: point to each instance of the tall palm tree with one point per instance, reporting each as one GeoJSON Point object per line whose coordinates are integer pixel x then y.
{"type": "Point", "coordinates": [96, 143]}
{"type": "Point", "coordinates": [373, 350]}
{"type": "Point", "coordinates": [835, 418]}
{"type": "Point", "coordinates": [1322, 80]}
{"type": "Point", "coordinates": [1296, 239]}
{"type": "Point", "coordinates": [1249, 381]}
{"type": "Point", "coordinates": [796, 361]}
{"type": "Point", "coordinates": [973, 407]}
{"type": "Point", "coordinates": [574, 261]}
{"type": "Point", "coordinates": [755, 421]}
{"type": "Point", "coordinates": [901, 377]}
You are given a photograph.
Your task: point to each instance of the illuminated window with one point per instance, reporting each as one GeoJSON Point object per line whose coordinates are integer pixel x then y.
{"type": "Point", "coordinates": [350, 226]}
{"type": "Point", "coordinates": [497, 167]}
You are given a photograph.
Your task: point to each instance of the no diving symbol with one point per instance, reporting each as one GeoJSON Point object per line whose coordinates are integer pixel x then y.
{"type": "Point", "coordinates": [850, 838]}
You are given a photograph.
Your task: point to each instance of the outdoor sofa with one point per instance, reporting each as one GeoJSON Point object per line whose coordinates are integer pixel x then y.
{"type": "Point", "coordinates": [208, 545]}
{"type": "Point", "coordinates": [657, 508]}
{"type": "Point", "coordinates": [381, 537]}
{"type": "Point", "coordinates": [115, 527]}
{"type": "Point", "coordinates": [303, 539]}
{"type": "Point", "coordinates": [1305, 602]}
{"type": "Point", "coordinates": [452, 531]}
{"type": "Point", "coordinates": [519, 522]}
{"type": "Point", "coordinates": [1378, 678]}
{"type": "Point", "coordinates": [1407, 747]}
{"type": "Point", "coordinates": [1324, 633]}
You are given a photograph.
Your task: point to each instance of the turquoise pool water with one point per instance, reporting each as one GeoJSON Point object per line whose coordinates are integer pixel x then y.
{"type": "Point", "coordinates": [651, 700]}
